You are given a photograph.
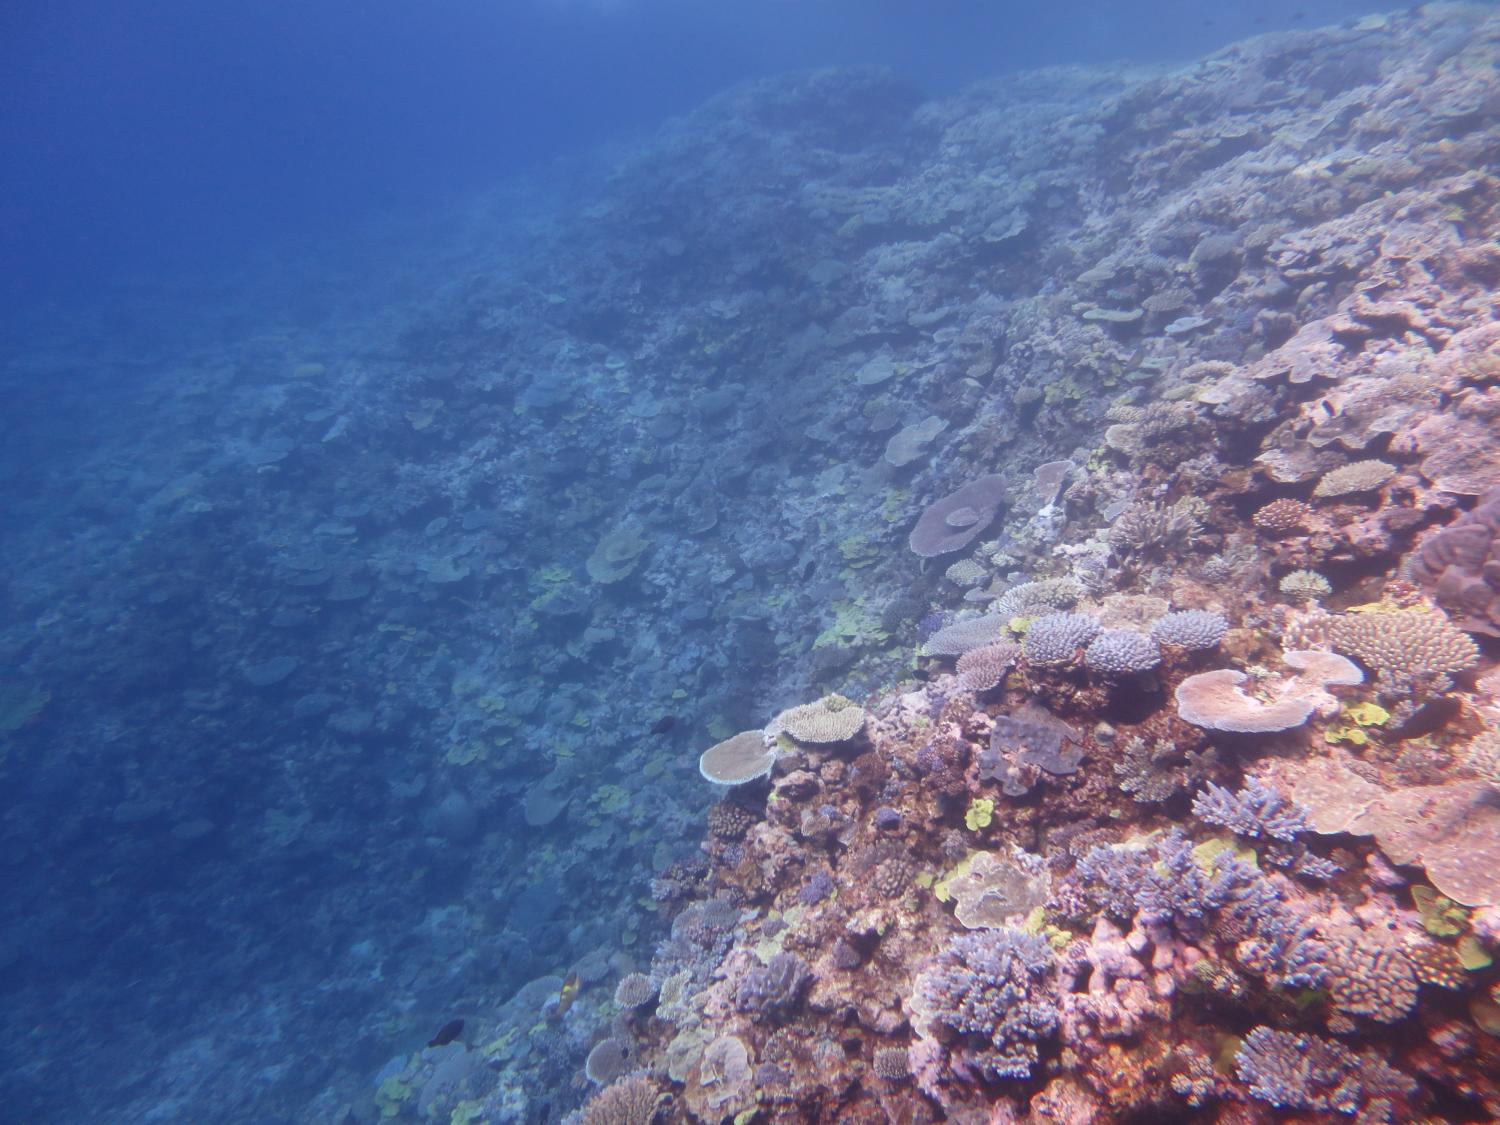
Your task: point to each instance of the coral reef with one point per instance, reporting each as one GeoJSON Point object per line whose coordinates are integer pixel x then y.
{"type": "Point", "coordinates": [1080, 492]}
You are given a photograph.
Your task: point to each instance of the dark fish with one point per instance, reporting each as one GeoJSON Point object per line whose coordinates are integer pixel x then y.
{"type": "Point", "coordinates": [664, 724]}
{"type": "Point", "coordinates": [447, 1033]}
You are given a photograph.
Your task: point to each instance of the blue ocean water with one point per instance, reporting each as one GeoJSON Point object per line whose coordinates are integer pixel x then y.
{"type": "Point", "coordinates": [416, 451]}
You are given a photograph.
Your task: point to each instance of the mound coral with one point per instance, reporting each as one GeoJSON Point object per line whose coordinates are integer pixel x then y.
{"type": "Point", "coordinates": [1460, 567]}
{"type": "Point", "coordinates": [1191, 629]}
{"type": "Point", "coordinates": [1055, 638]}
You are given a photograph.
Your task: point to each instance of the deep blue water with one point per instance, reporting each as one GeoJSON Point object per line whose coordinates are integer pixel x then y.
{"type": "Point", "coordinates": [192, 136]}
{"type": "Point", "coordinates": [269, 273]}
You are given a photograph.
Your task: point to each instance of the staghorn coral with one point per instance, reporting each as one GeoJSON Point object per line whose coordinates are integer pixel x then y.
{"type": "Point", "coordinates": [1028, 598]}
{"type": "Point", "coordinates": [984, 998]}
{"type": "Point", "coordinates": [966, 572]}
{"type": "Point", "coordinates": [630, 1101]}
{"type": "Point", "coordinates": [1107, 877]}
{"type": "Point", "coordinates": [635, 990]}
{"type": "Point", "coordinates": [962, 636]}
{"type": "Point", "coordinates": [1157, 529]}
{"type": "Point", "coordinates": [1347, 480]}
{"type": "Point", "coordinates": [1305, 585]}
{"type": "Point", "coordinates": [983, 669]}
{"type": "Point", "coordinates": [1157, 770]}
{"type": "Point", "coordinates": [1257, 810]}
{"type": "Point", "coordinates": [1179, 890]}
{"type": "Point", "coordinates": [1308, 1072]}
{"type": "Point", "coordinates": [1122, 652]}
{"type": "Point", "coordinates": [1055, 638]}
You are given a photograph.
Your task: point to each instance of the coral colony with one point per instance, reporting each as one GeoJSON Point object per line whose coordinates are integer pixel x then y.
{"type": "Point", "coordinates": [1194, 799]}
{"type": "Point", "coordinates": [1099, 487]}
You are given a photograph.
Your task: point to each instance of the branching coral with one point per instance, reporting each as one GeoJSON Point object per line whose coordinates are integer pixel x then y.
{"type": "Point", "coordinates": [985, 996]}
{"type": "Point", "coordinates": [1191, 629]}
{"type": "Point", "coordinates": [1308, 1072]}
{"type": "Point", "coordinates": [1055, 638]}
{"type": "Point", "coordinates": [1256, 810]}
{"type": "Point", "coordinates": [1122, 652]}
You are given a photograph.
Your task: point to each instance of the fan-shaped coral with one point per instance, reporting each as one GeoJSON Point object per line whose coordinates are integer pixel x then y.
{"type": "Point", "coordinates": [955, 521]}
{"type": "Point", "coordinates": [737, 760]}
{"type": "Point", "coordinates": [830, 719]}
{"type": "Point", "coordinates": [1215, 701]}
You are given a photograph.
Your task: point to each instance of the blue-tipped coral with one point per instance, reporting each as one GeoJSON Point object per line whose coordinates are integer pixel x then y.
{"type": "Point", "coordinates": [1257, 810]}
{"type": "Point", "coordinates": [1309, 1072]}
{"type": "Point", "coordinates": [984, 996]}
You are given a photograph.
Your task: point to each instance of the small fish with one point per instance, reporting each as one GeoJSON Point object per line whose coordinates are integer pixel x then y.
{"type": "Point", "coordinates": [447, 1033]}
{"type": "Point", "coordinates": [565, 997]}
{"type": "Point", "coordinates": [664, 724]}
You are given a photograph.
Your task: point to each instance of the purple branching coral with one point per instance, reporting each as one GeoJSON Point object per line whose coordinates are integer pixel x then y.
{"type": "Point", "coordinates": [986, 996]}
{"type": "Point", "coordinates": [1285, 949]}
{"type": "Point", "coordinates": [1178, 890]}
{"type": "Point", "coordinates": [1168, 886]}
{"type": "Point", "coordinates": [1260, 812]}
{"type": "Point", "coordinates": [1308, 1072]}
{"type": "Point", "coordinates": [1108, 877]}
{"type": "Point", "coordinates": [1256, 810]}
